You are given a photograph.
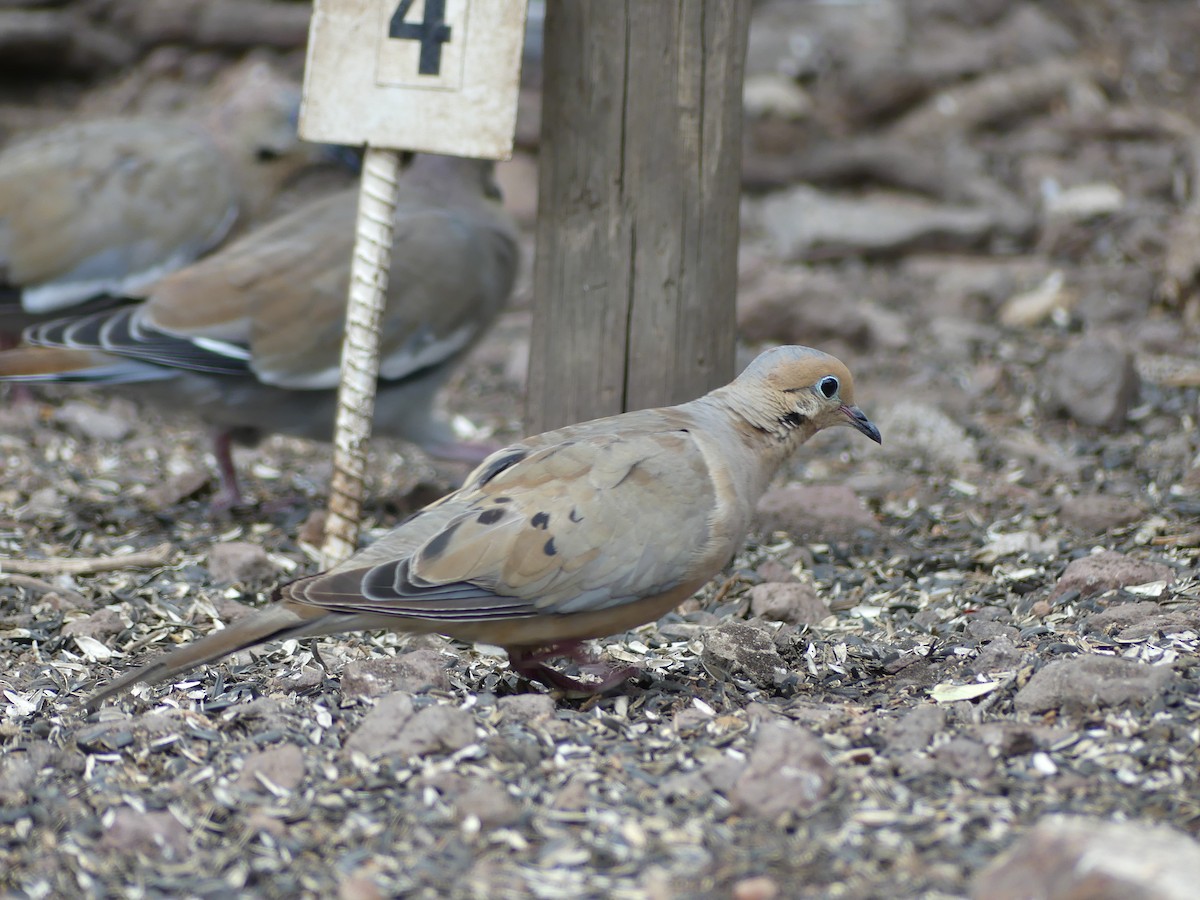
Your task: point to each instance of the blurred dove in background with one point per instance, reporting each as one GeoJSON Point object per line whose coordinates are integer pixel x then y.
{"type": "Point", "coordinates": [250, 338]}
{"type": "Point", "coordinates": [577, 533]}
{"type": "Point", "coordinates": [107, 207]}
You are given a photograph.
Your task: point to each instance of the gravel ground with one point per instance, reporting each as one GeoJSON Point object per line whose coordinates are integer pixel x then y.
{"type": "Point", "coordinates": [927, 654]}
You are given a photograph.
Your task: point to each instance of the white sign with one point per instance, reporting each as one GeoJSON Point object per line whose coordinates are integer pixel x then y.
{"type": "Point", "coordinates": [438, 76]}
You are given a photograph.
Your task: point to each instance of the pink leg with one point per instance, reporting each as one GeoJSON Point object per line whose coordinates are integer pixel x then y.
{"type": "Point", "coordinates": [531, 664]}
{"type": "Point", "coordinates": [230, 495]}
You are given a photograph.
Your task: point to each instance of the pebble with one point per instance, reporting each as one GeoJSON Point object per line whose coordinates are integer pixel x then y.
{"type": "Point", "coordinates": [176, 489]}
{"type": "Point", "coordinates": [1000, 655]}
{"type": "Point", "coordinates": [964, 758]}
{"type": "Point", "coordinates": [239, 562]}
{"type": "Point", "coordinates": [395, 728]}
{"type": "Point", "coordinates": [414, 672]}
{"type": "Point", "coordinates": [102, 623]}
{"type": "Point", "coordinates": [1106, 571]}
{"type": "Point", "coordinates": [791, 602]}
{"type": "Point", "coordinates": [111, 423]}
{"type": "Point", "coordinates": [528, 709]}
{"type": "Point", "coordinates": [816, 513]}
{"type": "Point", "coordinates": [737, 647]}
{"type": "Point", "coordinates": [917, 728]}
{"type": "Point", "coordinates": [1069, 857]}
{"type": "Point", "coordinates": [1098, 514]}
{"type": "Point", "coordinates": [768, 309]}
{"type": "Point", "coordinates": [283, 765]}
{"type": "Point", "coordinates": [926, 436]}
{"type": "Point", "coordinates": [786, 772]}
{"type": "Point", "coordinates": [478, 796]}
{"type": "Point", "coordinates": [760, 887]}
{"type": "Point", "coordinates": [805, 223]}
{"type": "Point", "coordinates": [149, 833]}
{"type": "Point", "coordinates": [1093, 382]}
{"type": "Point", "coordinates": [1091, 682]}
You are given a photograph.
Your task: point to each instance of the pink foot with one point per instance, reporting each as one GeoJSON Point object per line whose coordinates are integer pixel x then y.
{"type": "Point", "coordinates": [531, 664]}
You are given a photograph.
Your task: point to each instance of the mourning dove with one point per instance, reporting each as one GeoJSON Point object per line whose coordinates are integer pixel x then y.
{"type": "Point", "coordinates": [250, 338]}
{"type": "Point", "coordinates": [577, 533]}
{"type": "Point", "coordinates": [109, 206]}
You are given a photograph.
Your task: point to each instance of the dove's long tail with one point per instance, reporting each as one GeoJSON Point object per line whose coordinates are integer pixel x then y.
{"type": "Point", "coordinates": [276, 622]}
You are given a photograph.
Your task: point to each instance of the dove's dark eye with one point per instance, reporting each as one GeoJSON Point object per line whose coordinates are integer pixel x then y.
{"type": "Point", "coordinates": [829, 386]}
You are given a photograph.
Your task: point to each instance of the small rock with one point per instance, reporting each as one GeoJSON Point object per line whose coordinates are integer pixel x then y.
{"type": "Point", "coordinates": [1156, 626]}
{"type": "Point", "coordinates": [480, 797]}
{"type": "Point", "coordinates": [1006, 739]}
{"type": "Point", "coordinates": [306, 679]}
{"type": "Point", "coordinates": [16, 780]}
{"type": "Point", "coordinates": [414, 672]}
{"type": "Point", "coordinates": [760, 887]}
{"type": "Point", "coordinates": [175, 489]}
{"type": "Point", "coordinates": [359, 885]}
{"type": "Point", "coordinates": [100, 624]}
{"type": "Point", "coordinates": [528, 709]}
{"type": "Point", "coordinates": [927, 437]}
{"type": "Point", "coordinates": [917, 728]}
{"type": "Point", "coordinates": [734, 647]}
{"type": "Point", "coordinates": [239, 562]}
{"type": "Point", "coordinates": [816, 514]}
{"type": "Point", "coordinates": [786, 772]}
{"type": "Point", "coordinates": [1069, 857]}
{"type": "Point", "coordinates": [112, 423]}
{"type": "Point", "coordinates": [1106, 571]}
{"type": "Point", "coordinates": [1091, 682]}
{"type": "Point", "coordinates": [1121, 616]}
{"type": "Point", "coordinates": [282, 765]}
{"type": "Point", "coordinates": [989, 629]}
{"type": "Point", "coordinates": [800, 305]}
{"type": "Point", "coordinates": [1099, 514]}
{"type": "Point", "coordinates": [44, 503]}
{"type": "Point", "coordinates": [1000, 655]}
{"type": "Point", "coordinates": [394, 728]}
{"type": "Point", "coordinates": [794, 603]}
{"type": "Point", "coordinates": [231, 610]}
{"type": "Point", "coordinates": [964, 758]}
{"type": "Point", "coordinates": [573, 795]}
{"type": "Point", "coordinates": [804, 223]}
{"type": "Point", "coordinates": [772, 570]}
{"type": "Point", "coordinates": [150, 833]}
{"type": "Point", "coordinates": [1093, 382]}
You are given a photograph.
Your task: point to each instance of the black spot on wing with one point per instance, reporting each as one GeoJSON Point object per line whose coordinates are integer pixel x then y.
{"type": "Point", "coordinates": [490, 516]}
{"type": "Point", "coordinates": [437, 546]}
{"type": "Point", "coordinates": [574, 515]}
{"type": "Point", "coordinates": [549, 549]}
{"type": "Point", "coordinates": [541, 520]}
{"type": "Point", "coordinates": [506, 460]}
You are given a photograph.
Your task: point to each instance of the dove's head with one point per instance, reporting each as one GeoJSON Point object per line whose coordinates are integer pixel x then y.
{"type": "Point", "coordinates": [799, 389]}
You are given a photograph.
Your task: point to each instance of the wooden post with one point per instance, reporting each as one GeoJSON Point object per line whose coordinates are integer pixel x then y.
{"type": "Point", "coordinates": [636, 270]}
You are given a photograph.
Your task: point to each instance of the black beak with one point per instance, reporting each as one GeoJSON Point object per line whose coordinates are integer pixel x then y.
{"type": "Point", "coordinates": [858, 419]}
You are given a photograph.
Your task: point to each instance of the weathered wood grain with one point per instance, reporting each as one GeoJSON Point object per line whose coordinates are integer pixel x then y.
{"type": "Point", "coordinates": [638, 221]}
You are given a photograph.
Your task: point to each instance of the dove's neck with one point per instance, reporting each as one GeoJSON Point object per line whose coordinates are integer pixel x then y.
{"type": "Point", "coordinates": [759, 436]}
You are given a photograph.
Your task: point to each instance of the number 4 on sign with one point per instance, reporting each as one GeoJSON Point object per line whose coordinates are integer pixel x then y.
{"type": "Point", "coordinates": [439, 76]}
{"type": "Point", "coordinates": [432, 31]}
